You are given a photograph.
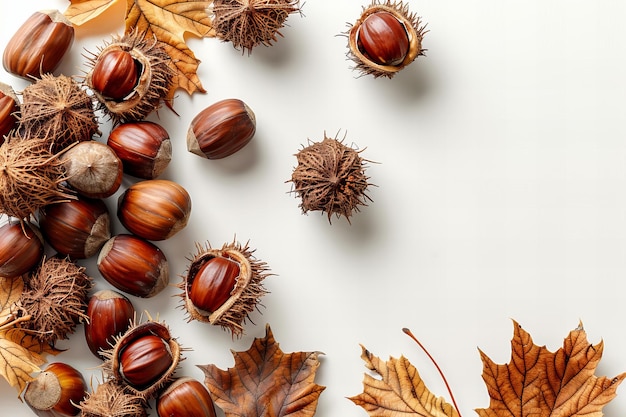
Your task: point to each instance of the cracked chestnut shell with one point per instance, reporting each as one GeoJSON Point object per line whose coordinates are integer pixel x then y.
{"type": "Point", "coordinates": [144, 358]}
{"type": "Point", "coordinates": [222, 286]}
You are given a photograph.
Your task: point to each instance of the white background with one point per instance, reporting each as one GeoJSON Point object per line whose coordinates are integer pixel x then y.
{"type": "Point", "coordinates": [500, 191]}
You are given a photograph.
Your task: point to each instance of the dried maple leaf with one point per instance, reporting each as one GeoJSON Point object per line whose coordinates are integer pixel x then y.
{"type": "Point", "coordinates": [541, 383]}
{"type": "Point", "coordinates": [81, 11]}
{"type": "Point", "coordinates": [169, 21]}
{"type": "Point", "coordinates": [400, 391]}
{"type": "Point", "coordinates": [266, 382]}
{"type": "Point", "coordinates": [10, 291]}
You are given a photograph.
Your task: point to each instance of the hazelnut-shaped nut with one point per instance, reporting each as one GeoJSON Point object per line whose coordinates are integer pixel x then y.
{"type": "Point", "coordinates": [154, 209]}
{"type": "Point", "coordinates": [9, 106]}
{"type": "Point", "coordinates": [144, 147]}
{"type": "Point", "coordinates": [144, 358]}
{"type": "Point", "coordinates": [110, 313]}
{"type": "Point", "coordinates": [38, 45]}
{"type": "Point", "coordinates": [221, 129]}
{"type": "Point", "coordinates": [133, 265]}
{"type": "Point", "coordinates": [56, 391]}
{"type": "Point", "coordinates": [115, 74]}
{"type": "Point", "coordinates": [185, 397]}
{"type": "Point", "coordinates": [222, 286]}
{"type": "Point", "coordinates": [385, 39]}
{"type": "Point", "coordinates": [77, 228]}
{"type": "Point", "coordinates": [112, 399]}
{"type": "Point", "coordinates": [21, 248]}
{"type": "Point", "coordinates": [93, 169]}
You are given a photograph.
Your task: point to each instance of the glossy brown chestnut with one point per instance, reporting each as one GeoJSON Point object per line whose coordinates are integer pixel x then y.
{"type": "Point", "coordinates": [21, 248]}
{"type": "Point", "coordinates": [185, 397]}
{"type": "Point", "coordinates": [133, 265]}
{"type": "Point", "coordinates": [144, 147]}
{"type": "Point", "coordinates": [144, 358]}
{"type": "Point", "coordinates": [56, 391]}
{"type": "Point", "coordinates": [214, 282]}
{"type": "Point", "coordinates": [110, 314]}
{"type": "Point", "coordinates": [77, 228]}
{"type": "Point", "coordinates": [221, 129]}
{"type": "Point", "coordinates": [154, 209]}
{"type": "Point", "coordinates": [38, 45]}
{"type": "Point", "coordinates": [115, 74]}
{"type": "Point", "coordinates": [383, 39]}
{"type": "Point", "coordinates": [92, 169]}
{"type": "Point", "coordinates": [8, 110]}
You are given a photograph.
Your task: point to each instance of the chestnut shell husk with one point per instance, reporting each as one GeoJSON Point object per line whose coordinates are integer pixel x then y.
{"type": "Point", "coordinates": [245, 295]}
{"type": "Point", "coordinates": [112, 366]}
{"type": "Point", "coordinates": [414, 28]}
{"type": "Point", "coordinates": [153, 85]}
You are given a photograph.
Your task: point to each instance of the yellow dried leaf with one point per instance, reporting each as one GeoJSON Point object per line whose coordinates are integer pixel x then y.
{"type": "Point", "coordinates": [10, 291]}
{"type": "Point", "coordinates": [80, 12]}
{"type": "Point", "coordinates": [400, 391]}
{"type": "Point", "coordinates": [169, 21]}
{"type": "Point", "coordinates": [17, 363]}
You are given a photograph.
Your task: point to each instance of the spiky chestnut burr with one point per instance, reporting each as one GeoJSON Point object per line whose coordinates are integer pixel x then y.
{"type": "Point", "coordinates": [31, 177]}
{"type": "Point", "coordinates": [58, 110]}
{"type": "Point", "coordinates": [55, 297]}
{"type": "Point", "coordinates": [385, 39]}
{"type": "Point", "coordinates": [110, 399]}
{"type": "Point", "coordinates": [223, 286]}
{"type": "Point", "coordinates": [330, 177]}
{"type": "Point", "coordinates": [249, 23]}
{"type": "Point", "coordinates": [152, 84]}
{"type": "Point", "coordinates": [143, 358]}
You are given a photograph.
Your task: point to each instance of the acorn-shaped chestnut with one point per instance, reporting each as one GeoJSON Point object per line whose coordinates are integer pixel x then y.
{"type": "Point", "coordinates": [221, 129]}
{"type": "Point", "coordinates": [130, 77]}
{"type": "Point", "coordinates": [56, 391]}
{"type": "Point", "coordinates": [144, 147]}
{"type": "Point", "coordinates": [222, 286]}
{"type": "Point", "coordinates": [143, 358]}
{"type": "Point", "coordinates": [385, 39]}
{"type": "Point", "coordinates": [9, 106]}
{"type": "Point", "coordinates": [93, 169]}
{"type": "Point", "coordinates": [154, 209]}
{"type": "Point", "coordinates": [185, 397]}
{"type": "Point", "coordinates": [21, 248]}
{"type": "Point", "coordinates": [77, 228]}
{"type": "Point", "coordinates": [38, 45]}
{"type": "Point", "coordinates": [133, 265]}
{"type": "Point", "coordinates": [110, 313]}
{"type": "Point", "coordinates": [112, 399]}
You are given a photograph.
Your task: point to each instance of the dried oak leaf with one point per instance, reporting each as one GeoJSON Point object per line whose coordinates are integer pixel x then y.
{"type": "Point", "coordinates": [541, 383]}
{"type": "Point", "coordinates": [169, 21]}
{"type": "Point", "coordinates": [266, 382]}
{"type": "Point", "coordinates": [400, 391]}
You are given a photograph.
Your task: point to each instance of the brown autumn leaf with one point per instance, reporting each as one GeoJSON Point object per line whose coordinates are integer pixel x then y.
{"type": "Point", "coordinates": [542, 383]}
{"type": "Point", "coordinates": [169, 21]}
{"type": "Point", "coordinates": [10, 291]}
{"type": "Point", "coordinates": [398, 390]}
{"type": "Point", "coordinates": [265, 381]}
{"type": "Point", "coordinates": [80, 12]}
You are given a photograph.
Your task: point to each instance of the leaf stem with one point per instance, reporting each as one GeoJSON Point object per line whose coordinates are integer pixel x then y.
{"type": "Point", "coordinates": [445, 381]}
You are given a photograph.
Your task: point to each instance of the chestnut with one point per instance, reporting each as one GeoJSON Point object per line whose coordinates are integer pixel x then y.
{"type": "Point", "coordinates": [185, 397]}
{"type": "Point", "coordinates": [144, 147]}
{"type": "Point", "coordinates": [383, 39]}
{"type": "Point", "coordinates": [109, 314]}
{"type": "Point", "coordinates": [56, 391]}
{"type": "Point", "coordinates": [133, 265]}
{"type": "Point", "coordinates": [154, 209]}
{"type": "Point", "coordinates": [221, 129]}
{"type": "Point", "coordinates": [21, 248]}
{"type": "Point", "coordinates": [93, 169]}
{"type": "Point", "coordinates": [115, 74]}
{"type": "Point", "coordinates": [38, 45]}
{"type": "Point", "coordinates": [144, 358]}
{"type": "Point", "coordinates": [77, 228]}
